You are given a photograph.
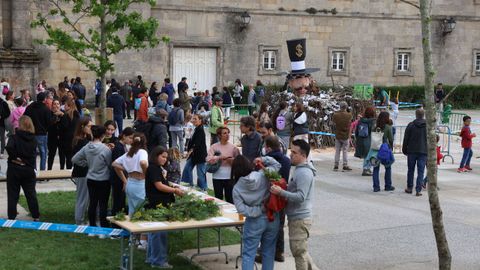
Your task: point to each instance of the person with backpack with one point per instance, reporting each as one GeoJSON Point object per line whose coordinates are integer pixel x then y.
{"type": "Point", "coordinates": [157, 133]}
{"type": "Point", "coordinates": [216, 120]}
{"type": "Point", "coordinates": [342, 120]}
{"type": "Point", "coordinates": [283, 119]}
{"type": "Point", "coordinates": [363, 140]}
{"type": "Point", "coordinates": [415, 148]}
{"type": "Point", "coordinates": [175, 121]}
{"type": "Point", "coordinates": [381, 151]}
{"type": "Point", "coordinates": [300, 123]}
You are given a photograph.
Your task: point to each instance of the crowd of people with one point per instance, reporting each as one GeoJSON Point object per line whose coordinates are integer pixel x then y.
{"type": "Point", "coordinates": [134, 164]}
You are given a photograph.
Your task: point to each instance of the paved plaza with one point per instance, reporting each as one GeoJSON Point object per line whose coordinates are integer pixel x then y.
{"type": "Point", "coordinates": [355, 228]}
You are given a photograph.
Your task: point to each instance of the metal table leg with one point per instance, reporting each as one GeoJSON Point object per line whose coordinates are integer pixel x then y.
{"type": "Point", "coordinates": [213, 252]}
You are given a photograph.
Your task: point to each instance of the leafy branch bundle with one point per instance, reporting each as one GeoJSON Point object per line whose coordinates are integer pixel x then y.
{"type": "Point", "coordinates": [184, 208]}
{"type": "Point", "coordinates": [272, 175]}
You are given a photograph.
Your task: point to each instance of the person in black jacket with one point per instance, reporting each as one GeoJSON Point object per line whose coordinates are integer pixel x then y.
{"type": "Point", "coordinates": [67, 125]}
{"type": "Point", "coordinates": [42, 118]}
{"type": "Point", "coordinates": [158, 134]}
{"type": "Point", "coordinates": [197, 153]}
{"type": "Point", "coordinates": [415, 148]}
{"type": "Point", "coordinates": [79, 90]}
{"type": "Point", "coordinates": [53, 134]}
{"type": "Point", "coordinates": [116, 102]}
{"type": "Point", "coordinates": [83, 135]}
{"type": "Point", "coordinates": [21, 168]}
{"type": "Point", "coordinates": [118, 194]}
{"type": "Point", "coordinates": [4, 114]}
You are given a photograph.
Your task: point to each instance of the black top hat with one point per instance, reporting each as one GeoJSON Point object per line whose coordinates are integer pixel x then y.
{"type": "Point", "coordinates": [297, 50]}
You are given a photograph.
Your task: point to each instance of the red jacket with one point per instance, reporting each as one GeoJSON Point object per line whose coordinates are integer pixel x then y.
{"type": "Point", "coordinates": [439, 155]}
{"type": "Point", "coordinates": [142, 113]}
{"type": "Point", "coordinates": [467, 136]}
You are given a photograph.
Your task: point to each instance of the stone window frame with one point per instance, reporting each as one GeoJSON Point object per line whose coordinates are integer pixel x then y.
{"type": "Point", "coordinates": [476, 62]}
{"type": "Point", "coordinates": [411, 55]}
{"type": "Point", "coordinates": [262, 48]}
{"type": "Point", "coordinates": [346, 61]}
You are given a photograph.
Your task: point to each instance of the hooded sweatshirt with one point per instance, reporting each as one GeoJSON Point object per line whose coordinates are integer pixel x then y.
{"type": "Point", "coordinates": [21, 147]}
{"type": "Point", "coordinates": [299, 193]}
{"type": "Point", "coordinates": [97, 157]}
{"type": "Point", "coordinates": [251, 191]}
{"type": "Point", "coordinates": [415, 138]}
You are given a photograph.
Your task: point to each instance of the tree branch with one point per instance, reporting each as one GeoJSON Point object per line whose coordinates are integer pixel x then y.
{"type": "Point", "coordinates": [68, 22]}
{"type": "Point", "coordinates": [410, 3]}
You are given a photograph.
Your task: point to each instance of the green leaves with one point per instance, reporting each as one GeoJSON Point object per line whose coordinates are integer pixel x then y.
{"type": "Point", "coordinates": [184, 208]}
{"type": "Point", "coordinates": [272, 175]}
{"type": "Point", "coordinates": [122, 28]}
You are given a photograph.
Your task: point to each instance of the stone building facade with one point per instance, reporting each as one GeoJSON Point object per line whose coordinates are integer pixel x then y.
{"type": "Point", "coordinates": [352, 41]}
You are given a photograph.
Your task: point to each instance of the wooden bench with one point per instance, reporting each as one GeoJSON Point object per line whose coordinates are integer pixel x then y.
{"type": "Point", "coordinates": [49, 175]}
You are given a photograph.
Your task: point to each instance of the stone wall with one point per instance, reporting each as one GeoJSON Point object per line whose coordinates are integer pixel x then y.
{"type": "Point", "coordinates": [369, 30]}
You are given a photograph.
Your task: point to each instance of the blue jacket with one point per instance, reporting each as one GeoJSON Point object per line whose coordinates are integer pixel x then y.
{"type": "Point", "coordinates": [116, 102]}
{"type": "Point", "coordinates": [284, 161]}
{"type": "Point", "coordinates": [168, 89]}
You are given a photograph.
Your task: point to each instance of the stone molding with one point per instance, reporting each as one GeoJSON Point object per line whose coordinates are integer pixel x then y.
{"type": "Point", "coordinates": [475, 51]}
{"type": "Point", "coordinates": [346, 61]}
{"type": "Point", "coordinates": [356, 15]}
{"type": "Point", "coordinates": [411, 71]}
{"type": "Point", "coordinates": [278, 64]}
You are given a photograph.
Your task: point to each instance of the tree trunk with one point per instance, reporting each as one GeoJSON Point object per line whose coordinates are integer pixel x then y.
{"type": "Point", "coordinates": [444, 257]}
{"type": "Point", "coordinates": [103, 54]}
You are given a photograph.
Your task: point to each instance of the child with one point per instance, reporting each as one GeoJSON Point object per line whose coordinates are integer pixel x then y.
{"type": "Point", "coordinates": [188, 129]}
{"type": "Point", "coordinates": [174, 173]}
{"type": "Point", "coordinates": [439, 157]}
{"type": "Point", "coordinates": [467, 137]}
{"type": "Point", "coordinates": [394, 106]}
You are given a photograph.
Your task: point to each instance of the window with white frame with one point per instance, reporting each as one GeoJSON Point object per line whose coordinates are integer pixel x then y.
{"type": "Point", "coordinates": [403, 61]}
{"type": "Point", "coordinates": [269, 60]}
{"type": "Point", "coordinates": [338, 61]}
{"type": "Point", "coordinates": [477, 62]}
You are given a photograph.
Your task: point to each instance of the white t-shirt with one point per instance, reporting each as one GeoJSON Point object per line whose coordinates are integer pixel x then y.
{"type": "Point", "coordinates": [132, 164]}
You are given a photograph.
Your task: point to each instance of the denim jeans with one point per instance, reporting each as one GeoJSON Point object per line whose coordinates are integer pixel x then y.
{"type": "Point", "coordinates": [135, 191]}
{"type": "Point", "coordinates": [177, 140]}
{"type": "Point", "coordinates": [119, 119]}
{"type": "Point", "coordinates": [42, 150]}
{"type": "Point", "coordinates": [255, 231]}
{"type": "Point", "coordinates": [467, 155]}
{"type": "Point", "coordinates": [366, 164]}
{"type": "Point", "coordinates": [157, 249]}
{"type": "Point", "coordinates": [376, 177]}
{"type": "Point", "coordinates": [420, 160]}
{"type": "Point", "coordinates": [187, 176]}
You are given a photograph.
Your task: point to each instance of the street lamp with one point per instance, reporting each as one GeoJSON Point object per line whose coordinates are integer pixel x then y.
{"type": "Point", "coordinates": [245, 19]}
{"type": "Point", "coordinates": [448, 25]}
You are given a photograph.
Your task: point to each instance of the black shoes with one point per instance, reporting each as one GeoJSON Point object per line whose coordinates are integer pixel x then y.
{"type": "Point", "coordinates": [346, 168]}
{"type": "Point", "coordinates": [392, 188]}
{"type": "Point", "coordinates": [335, 168]}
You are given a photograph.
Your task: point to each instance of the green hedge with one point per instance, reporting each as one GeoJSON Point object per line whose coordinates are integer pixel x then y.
{"type": "Point", "coordinates": [465, 96]}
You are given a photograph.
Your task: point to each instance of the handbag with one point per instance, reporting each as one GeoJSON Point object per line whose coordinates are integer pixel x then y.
{"type": "Point", "coordinates": [376, 139]}
{"type": "Point", "coordinates": [213, 168]}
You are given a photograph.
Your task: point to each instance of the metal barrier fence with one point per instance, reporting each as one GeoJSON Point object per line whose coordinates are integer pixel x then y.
{"type": "Point", "coordinates": [453, 120]}
{"type": "Point", "coordinates": [443, 131]}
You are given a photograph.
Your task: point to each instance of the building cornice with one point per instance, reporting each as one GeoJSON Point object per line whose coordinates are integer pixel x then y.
{"type": "Point", "coordinates": [351, 15]}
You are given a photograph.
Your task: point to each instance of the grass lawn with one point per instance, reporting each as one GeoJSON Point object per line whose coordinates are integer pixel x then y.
{"type": "Point", "coordinates": [26, 249]}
